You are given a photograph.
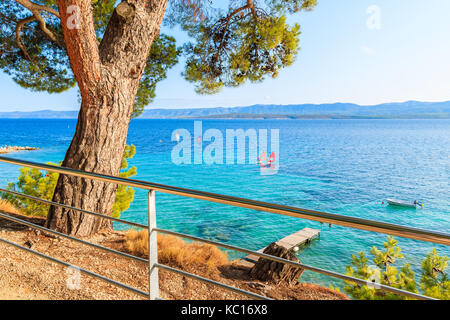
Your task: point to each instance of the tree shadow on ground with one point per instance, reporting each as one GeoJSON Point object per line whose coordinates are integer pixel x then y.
{"type": "Point", "coordinates": [7, 225]}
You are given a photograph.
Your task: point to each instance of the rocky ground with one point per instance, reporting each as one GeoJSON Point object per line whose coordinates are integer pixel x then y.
{"type": "Point", "coordinates": [25, 276]}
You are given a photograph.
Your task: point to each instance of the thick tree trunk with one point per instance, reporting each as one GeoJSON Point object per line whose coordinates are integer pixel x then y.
{"type": "Point", "coordinates": [97, 146]}
{"type": "Point", "coordinates": [108, 76]}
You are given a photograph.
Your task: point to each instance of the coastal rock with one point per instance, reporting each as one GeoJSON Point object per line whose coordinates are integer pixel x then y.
{"type": "Point", "coordinates": [8, 149]}
{"type": "Point", "coordinates": [271, 271]}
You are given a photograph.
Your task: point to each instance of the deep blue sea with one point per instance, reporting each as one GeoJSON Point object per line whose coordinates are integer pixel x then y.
{"type": "Point", "coordinates": [345, 167]}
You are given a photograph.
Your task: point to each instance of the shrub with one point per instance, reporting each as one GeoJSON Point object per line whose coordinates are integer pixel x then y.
{"type": "Point", "coordinates": [125, 194]}
{"type": "Point", "coordinates": [434, 281]}
{"type": "Point", "coordinates": [32, 182]}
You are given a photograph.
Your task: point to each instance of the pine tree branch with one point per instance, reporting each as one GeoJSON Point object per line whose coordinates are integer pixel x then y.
{"type": "Point", "coordinates": [36, 10]}
{"type": "Point", "coordinates": [133, 21]}
{"type": "Point", "coordinates": [81, 44]}
{"type": "Point", "coordinates": [19, 27]}
{"type": "Point", "coordinates": [7, 18]}
{"type": "Point", "coordinates": [37, 7]}
{"type": "Point", "coordinates": [251, 5]}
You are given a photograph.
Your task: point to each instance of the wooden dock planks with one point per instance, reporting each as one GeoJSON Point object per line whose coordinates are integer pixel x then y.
{"type": "Point", "coordinates": [299, 238]}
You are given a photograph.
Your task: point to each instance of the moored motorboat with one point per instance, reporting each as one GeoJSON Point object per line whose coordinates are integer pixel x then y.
{"type": "Point", "coordinates": [401, 203]}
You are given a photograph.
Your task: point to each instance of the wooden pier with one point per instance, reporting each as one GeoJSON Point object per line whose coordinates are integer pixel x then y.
{"type": "Point", "coordinates": [290, 242]}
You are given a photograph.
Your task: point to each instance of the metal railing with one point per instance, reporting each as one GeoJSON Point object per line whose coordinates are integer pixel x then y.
{"type": "Point", "coordinates": [152, 261]}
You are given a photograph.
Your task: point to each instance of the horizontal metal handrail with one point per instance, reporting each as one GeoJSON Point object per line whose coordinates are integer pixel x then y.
{"type": "Point", "coordinates": [218, 284]}
{"type": "Point", "coordinates": [93, 274]}
{"type": "Point", "coordinates": [296, 264]}
{"type": "Point", "coordinates": [4, 215]}
{"type": "Point", "coordinates": [250, 294]}
{"type": "Point", "coordinates": [73, 208]}
{"type": "Point", "coordinates": [346, 221]}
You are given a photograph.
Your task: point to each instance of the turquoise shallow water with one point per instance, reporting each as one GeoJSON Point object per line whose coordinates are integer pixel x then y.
{"type": "Point", "coordinates": [339, 166]}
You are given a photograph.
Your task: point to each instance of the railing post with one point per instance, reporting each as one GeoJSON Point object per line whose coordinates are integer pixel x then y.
{"type": "Point", "coordinates": [152, 248]}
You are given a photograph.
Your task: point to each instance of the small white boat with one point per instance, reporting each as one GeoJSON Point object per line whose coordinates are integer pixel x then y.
{"type": "Point", "coordinates": [400, 203]}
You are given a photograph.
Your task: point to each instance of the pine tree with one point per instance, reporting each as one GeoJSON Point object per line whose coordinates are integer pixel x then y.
{"type": "Point", "coordinates": [32, 182]}
{"type": "Point", "coordinates": [382, 272]}
{"type": "Point", "coordinates": [434, 281]}
{"type": "Point", "coordinates": [125, 194]}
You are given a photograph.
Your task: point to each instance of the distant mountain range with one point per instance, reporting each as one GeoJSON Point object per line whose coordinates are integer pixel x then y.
{"type": "Point", "coordinates": [410, 109]}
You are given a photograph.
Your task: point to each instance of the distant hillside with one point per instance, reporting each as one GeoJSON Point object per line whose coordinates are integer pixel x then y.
{"type": "Point", "coordinates": [323, 116]}
{"type": "Point", "coordinates": [410, 109]}
{"type": "Point", "coordinates": [43, 114]}
{"type": "Point", "coordinates": [315, 110]}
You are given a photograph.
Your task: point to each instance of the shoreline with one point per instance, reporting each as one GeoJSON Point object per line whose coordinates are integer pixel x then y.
{"type": "Point", "coordinates": [8, 149]}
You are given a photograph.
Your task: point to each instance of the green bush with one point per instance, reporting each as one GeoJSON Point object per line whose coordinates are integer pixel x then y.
{"type": "Point", "coordinates": [32, 182]}
{"type": "Point", "coordinates": [42, 184]}
{"type": "Point", "coordinates": [434, 281]}
{"type": "Point", "coordinates": [124, 194]}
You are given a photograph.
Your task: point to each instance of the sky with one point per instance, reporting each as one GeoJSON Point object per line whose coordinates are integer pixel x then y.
{"type": "Point", "coordinates": [358, 51]}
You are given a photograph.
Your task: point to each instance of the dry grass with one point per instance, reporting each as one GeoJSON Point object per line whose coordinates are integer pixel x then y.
{"type": "Point", "coordinates": [8, 207]}
{"type": "Point", "coordinates": [208, 261]}
{"type": "Point", "coordinates": [176, 252]}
